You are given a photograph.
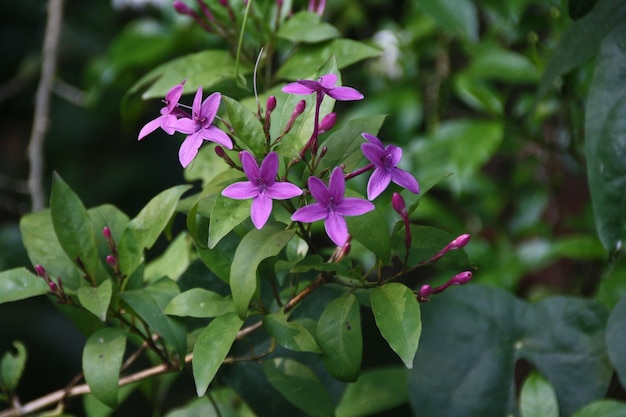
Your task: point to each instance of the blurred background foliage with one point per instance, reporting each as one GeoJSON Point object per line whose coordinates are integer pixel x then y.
{"type": "Point", "coordinates": [458, 80]}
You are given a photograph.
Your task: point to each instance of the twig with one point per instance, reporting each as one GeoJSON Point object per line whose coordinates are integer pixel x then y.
{"type": "Point", "coordinates": [42, 103]}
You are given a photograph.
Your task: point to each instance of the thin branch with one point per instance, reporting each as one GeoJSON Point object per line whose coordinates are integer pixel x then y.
{"type": "Point", "coordinates": [42, 103]}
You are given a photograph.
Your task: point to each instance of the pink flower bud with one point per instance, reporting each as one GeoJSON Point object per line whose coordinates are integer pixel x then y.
{"type": "Point", "coordinates": [425, 292]}
{"type": "Point", "coordinates": [271, 103]}
{"type": "Point", "coordinates": [106, 232]}
{"type": "Point", "coordinates": [300, 107]}
{"type": "Point", "coordinates": [53, 287]}
{"type": "Point", "coordinates": [111, 261]}
{"type": "Point", "coordinates": [40, 271]}
{"type": "Point", "coordinates": [323, 151]}
{"type": "Point", "coordinates": [224, 3]}
{"type": "Point", "coordinates": [398, 204]}
{"type": "Point", "coordinates": [462, 278]}
{"type": "Point", "coordinates": [459, 242]}
{"type": "Point", "coordinates": [182, 8]}
{"type": "Point", "coordinates": [220, 151]}
{"type": "Point", "coordinates": [327, 122]}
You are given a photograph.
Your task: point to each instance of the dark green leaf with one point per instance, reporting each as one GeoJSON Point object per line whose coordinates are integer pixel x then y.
{"type": "Point", "coordinates": [307, 57]}
{"type": "Point", "coordinates": [457, 16]}
{"type": "Point", "coordinates": [19, 283]}
{"type": "Point", "coordinates": [247, 126]}
{"type": "Point", "coordinates": [370, 229]}
{"type": "Point", "coordinates": [478, 94]}
{"type": "Point", "coordinates": [73, 227]}
{"type": "Point", "coordinates": [616, 339]}
{"type": "Point", "coordinates": [307, 27]}
{"type": "Point", "coordinates": [397, 315]}
{"type": "Point", "coordinates": [212, 347]}
{"type": "Point", "coordinates": [538, 398]}
{"type": "Point", "coordinates": [201, 303]}
{"type": "Point", "coordinates": [96, 299]}
{"type": "Point", "coordinates": [605, 140]}
{"type": "Point", "coordinates": [12, 366]}
{"type": "Point", "coordinates": [300, 386]}
{"type": "Point", "coordinates": [289, 334]}
{"type": "Point", "coordinates": [254, 247]}
{"type": "Point", "coordinates": [226, 215]}
{"type": "Point", "coordinates": [102, 359]}
{"type": "Point", "coordinates": [150, 303]}
{"type": "Point", "coordinates": [375, 391]}
{"type": "Point", "coordinates": [602, 408]}
{"type": "Point", "coordinates": [339, 336]}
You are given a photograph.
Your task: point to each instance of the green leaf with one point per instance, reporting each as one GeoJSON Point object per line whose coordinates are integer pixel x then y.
{"type": "Point", "coordinates": [474, 335]}
{"type": "Point", "coordinates": [96, 300]}
{"type": "Point", "coordinates": [370, 229]}
{"type": "Point", "coordinates": [605, 140]}
{"type": "Point", "coordinates": [538, 398]}
{"type": "Point", "coordinates": [145, 228]}
{"type": "Point", "coordinates": [254, 247]}
{"type": "Point", "coordinates": [201, 303]}
{"type": "Point", "coordinates": [150, 303]}
{"type": "Point", "coordinates": [223, 402]}
{"type": "Point", "coordinates": [616, 339]}
{"type": "Point", "coordinates": [376, 391]}
{"type": "Point", "coordinates": [289, 334]}
{"type": "Point", "coordinates": [478, 94]}
{"type": "Point", "coordinates": [457, 16]}
{"type": "Point", "coordinates": [73, 226]}
{"type": "Point", "coordinates": [427, 241]}
{"type": "Point", "coordinates": [247, 126]}
{"type": "Point", "coordinates": [300, 386]}
{"type": "Point", "coordinates": [19, 283]}
{"type": "Point", "coordinates": [12, 366]}
{"type": "Point", "coordinates": [344, 144]}
{"type": "Point", "coordinates": [43, 247]}
{"type": "Point", "coordinates": [339, 336]}
{"type": "Point", "coordinates": [102, 360]}
{"type": "Point", "coordinates": [492, 62]}
{"type": "Point", "coordinates": [174, 261]}
{"type": "Point", "coordinates": [212, 347]}
{"type": "Point", "coordinates": [307, 27]}
{"type": "Point", "coordinates": [227, 214]}
{"type": "Point", "coordinates": [397, 315]}
{"type": "Point", "coordinates": [206, 69]}
{"type": "Point", "coordinates": [346, 51]}
{"type": "Point", "coordinates": [581, 41]}
{"type": "Point", "coordinates": [602, 408]}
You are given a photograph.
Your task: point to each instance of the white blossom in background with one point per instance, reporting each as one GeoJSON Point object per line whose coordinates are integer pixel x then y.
{"type": "Point", "coordinates": [388, 63]}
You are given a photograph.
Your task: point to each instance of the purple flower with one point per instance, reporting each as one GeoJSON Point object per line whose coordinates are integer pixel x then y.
{"type": "Point", "coordinates": [261, 186]}
{"type": "Point", "coordinates": [199, 127]}
{"type": "Point", "coordinates": [332, 206]}
{"type": "Point", "coordinates": [385, 159]}
{"type": "Point", "coordinates": [324, 85]}
{"type": "Point", "coordinates": [168, 113]}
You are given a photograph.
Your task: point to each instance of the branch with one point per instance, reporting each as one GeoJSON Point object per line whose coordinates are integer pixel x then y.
{"type": "Point", "coordinates": [42, 103]}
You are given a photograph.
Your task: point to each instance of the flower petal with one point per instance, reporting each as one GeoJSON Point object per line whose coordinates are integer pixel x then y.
{"type": "Point", "coordinates": [297, 88]}
{"type": "Point", "coordinates": [344, 93]}
{"type": "Point", "coordinates": [214, 134]}
{"type": "Point", "coordinates": [283, 190]}
{"type": "Point", "coordinates": [395, 153]}
{"type": "Point", "coordinates": [197, 103]}
{"type": "Point", "coordinates": [241, 190]}
{"type": "Point", "coordinates": [261, 210]}
{"type": "Point", "coordinates": [404, 179]}
{"type": "Point", "coordinates": [250, 167]}
{"type": "Point", "coordinates": [149, 127]}
{"type": "Point", "coordinates": [189, 149]}
{"type": "Point", "coordinates": [328, 81]}
{"type": "Point", "coordinates": [172, 96]}
{"type": "Point", "coordinates": [378, 182]}
{"type": "Point", "coordinates": [269, 168]}
{"type": "Point", "coordinates": [209, 107]}
{"type": "Point", "coordinates": [373, 140]}
{"type": "Point", "coordinates": [185, 125]}
{"type": "Point", "coordinates": [319, 191]}
{"type": "Point", "coordinates": [166, 123]}
{"type": "Point", "coordinates": [374, 153]}
{"type": "Point", "coordinates": [337, 185]}
{"type": "Point", "coordinates": [311, 213]}
{"type": "Point", "coordinates": [336, 228]}
{"type": "Point", "coordinates": [354, 207]}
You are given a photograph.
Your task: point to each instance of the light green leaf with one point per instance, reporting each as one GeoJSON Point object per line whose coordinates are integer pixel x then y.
{"type": "Point", "coordinates": [227, 214]}
{"type": "Point", "coordinates": [538, 398]}
{"type": "Point", "coordinates": [254, 247]}
{"type": "Point", "coordinates": [212, 347]}
{"type": "Point", "coordinates": [289, 334]}
{"type": "Point", "coordinates": [602, 408]}
{"type": "Point", "coordinates": [300, 386]}
{"type": "Point", "coordinates": [174, 261]}
{"type": "Point", "coordinates": [150, 303]}
{"type": "Point", "coordinates": [145, 228]}
{"type": "Point", "coordinates": [307, 27]}
{"type": "Point", "coordinates": [397, 315]}
{"type": "Point", "coordinates": [478, 94]}
{"type": "Point", "coordinates": [102, 359]}
{"type": "Point", "coordinates": [339, 336]}
{"type": "Point", "coordinates": [19, 283]}
{"type": "Point", "coordinates": [605, 140]}
{"type": "Point", "coordinates": [73, 226]}
{"type": "Point", "coordinates": [12, 366]}
{"type": "Point", "coordinates": [375, 391]}
{"type": "Point", "coordinates": [247, 126]}
{"type": "Point", "coordinates": [346, 51]}
{"type": "Point", "coordinates": [201, 303]}
{"type": "Point", "coordinates": [96, 299]}
{"type": "Point", "coordinates": [457, 16]}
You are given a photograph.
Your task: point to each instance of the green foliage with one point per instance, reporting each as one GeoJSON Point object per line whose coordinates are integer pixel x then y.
{"type": "Point", "coordinates": [12, 366]}
{"type": "Point", "coordinates": [102, 359]}
{"type": "Point", "coordinates": [538, 397]}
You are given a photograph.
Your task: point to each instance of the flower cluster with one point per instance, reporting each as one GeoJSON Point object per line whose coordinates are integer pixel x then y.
{"type": "Point", "coordinates": [263, 183]}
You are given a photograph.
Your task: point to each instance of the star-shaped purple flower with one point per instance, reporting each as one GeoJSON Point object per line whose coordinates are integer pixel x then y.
{"type": "Point", "coordinates": [199, 127]}
{"type": "Point", "coordinates": [332, 206]}
{"type": "Point", "coordinates": [324, 85]}
{"type": "Point", "coordinates": [385, 159]}
{"type": "Point", "coordinates": [261, 186]}
{"type": "Point", "coordinates": [168, 113]}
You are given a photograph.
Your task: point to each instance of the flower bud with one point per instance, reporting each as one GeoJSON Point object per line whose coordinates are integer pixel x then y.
{"type": "Point", "coordinates": [220, 151]}
{"type": "Point", "coordinates": [106, 232]}
{"type": "Point", "coordinates": [224, 3]}
{"type": "Point", "coordinates": [459, 242]}
{"type": "Point", "coordinates": [111, 261]}
{"type": "Point", "coordinates": [323, 151]}
{"type": "Point", "coordinates": [425, 292]}
{"type": "Point", "coordinates": [182, 8]}
{"type": "Point", "coordinates": [53, 287]}
{"type": "Point", "coordinates": [300, 107]}
{"type": "Point", "coordinates": [40, 271]}
{"type": "Point", "coordinates": [327, 122]}
{"type": "Point", "coordinates": [398, 204]}
{"type": "Point", "coordinates": [271, 103]}
{"type": "Point", "coordinates": [462, 278]}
